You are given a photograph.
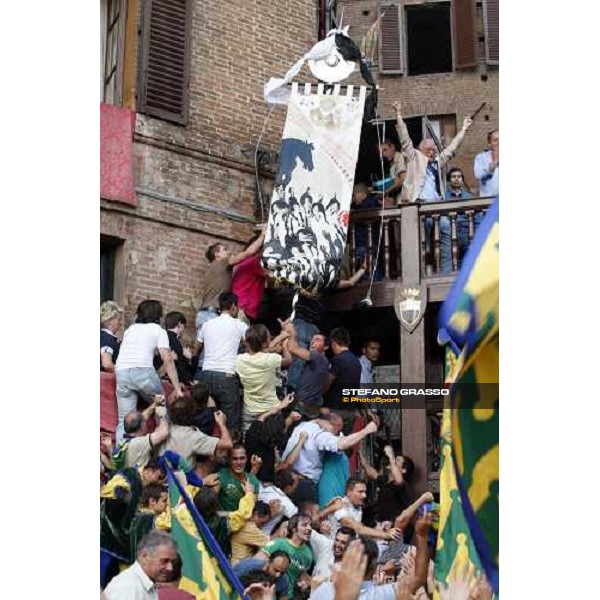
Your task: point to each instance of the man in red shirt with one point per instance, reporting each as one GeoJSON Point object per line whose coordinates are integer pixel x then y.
{"type": "Point", "coordinates": [248, 284]}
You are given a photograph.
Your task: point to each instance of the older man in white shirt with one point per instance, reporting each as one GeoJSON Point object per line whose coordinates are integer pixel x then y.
{"type": "Point", "coordinates": [322, 434]}
{"type": "Point", "coordinates": [155, 557]}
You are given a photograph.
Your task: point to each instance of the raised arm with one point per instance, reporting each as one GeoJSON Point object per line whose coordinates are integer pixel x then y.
{"type": "Point", "coordinates": [406, 144]}
{"type": "Point", "coordinates": [422, 528]}
{"type": "Point", "coordinates": [225, 442]}
{"type": "Point", "coordinates": [292, 345]}
{"type": "Point", "coordinates": [406, 516]}
{"type": "Point", "coordinates": [291, 458]}
{"type": "Point", "coordinates": [253, 248]}
{"type": "Point", "coordinates": [161, 433]}
{"type": "Point", "coordinates": [332, 506]}
{"type": "Point", "coordinates": [149, 412]}
{"type": "Point", "coordinates": [349, 283]}
{"type": "Point", "coordinates": [353, 439]}
{"type": "Point", "coordinates": [371, 532]}
{"type": "Point", "coordinates": [450, 151]}
{"type": "Point", "coordinates": [395, 469]}
{"type": "Point", "coordinates": [369, 470]}
{"type": "Point", "coordinates": [277, 409]}
{"type": "Point", "coordinates": [286, 356]}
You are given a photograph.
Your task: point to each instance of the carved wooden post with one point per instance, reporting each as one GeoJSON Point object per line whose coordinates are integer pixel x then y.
{"type": "Point", "coordinates": [471, 214]}
{"type": "Point", "coordinates": [436, 244]}
{"type": "Point", "coordinates": [454, 240]}
{"type": "Point", "coordinates": [412, 350]}
{"type": "Point", "coordinates": [386, 249]}
{"type": "Point", "coordinates": [423, 247]}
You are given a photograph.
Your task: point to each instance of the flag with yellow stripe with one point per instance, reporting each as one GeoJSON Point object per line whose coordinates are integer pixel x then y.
{"type": "Point", "coordinates": [470, 319]}
{"type": "Point", "coordinates": [206, 572]}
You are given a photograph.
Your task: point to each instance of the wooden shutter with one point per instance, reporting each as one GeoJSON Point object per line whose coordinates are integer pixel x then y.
{"type": "Point", "coordinates": [463, 33]}
{"type": "Point", "coordinates": [391, 40]}
{"type": "Point", "coordinates": [491, 17]}
{"type": "Point", "coordinates": [165, 58]}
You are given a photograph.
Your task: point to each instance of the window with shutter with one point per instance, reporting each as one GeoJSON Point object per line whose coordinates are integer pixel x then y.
{"type": "Point", "coordinates": [391, 39]}
{"type": "Point", "coordinates": [491, 16]}
{"type": "Point", "coordinates": [165, 58]}
{"type": "Point", "coordinates": [463, 26]}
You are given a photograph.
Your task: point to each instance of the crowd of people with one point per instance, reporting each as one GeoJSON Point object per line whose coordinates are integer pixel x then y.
{"type": "Point", "coordinates": [249, 416]}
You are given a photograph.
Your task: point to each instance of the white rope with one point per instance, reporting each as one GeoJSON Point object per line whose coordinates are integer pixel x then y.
{"type": "Point", "coordinates": [296, 296]}
{"type": "Point", "coordinates": [379, 239]}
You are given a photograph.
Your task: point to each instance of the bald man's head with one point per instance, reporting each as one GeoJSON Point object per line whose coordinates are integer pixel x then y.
{"type": "Point", "coordinates": [133, 422]}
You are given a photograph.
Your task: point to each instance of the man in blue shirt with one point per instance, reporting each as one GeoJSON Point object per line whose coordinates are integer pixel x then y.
{"type": "Point", "coordinates": [456, 190]}
{"type": "Point", "coordinates": [487, 166]}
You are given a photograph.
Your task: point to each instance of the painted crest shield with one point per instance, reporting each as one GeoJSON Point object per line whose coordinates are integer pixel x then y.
{"type": "Point", "coordinates": [409, 304]}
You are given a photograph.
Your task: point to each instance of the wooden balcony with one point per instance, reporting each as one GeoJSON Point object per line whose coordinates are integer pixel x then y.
{"type": "Point", "coordinates": [411, 257]}
{"type": "Point", "coordinates": [407, 255]}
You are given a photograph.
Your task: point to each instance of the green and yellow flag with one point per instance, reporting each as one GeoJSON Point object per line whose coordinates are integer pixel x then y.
{"type": "Point", "coordinates": [470, 476]}
{"type": "Point", "coordinates": [206, 573]}
{"type": "Point", "coordinates": [455, 548]}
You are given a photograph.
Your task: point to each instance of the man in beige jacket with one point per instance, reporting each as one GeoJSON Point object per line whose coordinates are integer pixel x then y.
{"type": "Point", "coordinates": [423, 166]}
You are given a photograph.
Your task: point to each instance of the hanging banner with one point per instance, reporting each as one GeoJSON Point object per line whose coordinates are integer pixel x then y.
{"type": "Point", "coordinates": [308, 219]}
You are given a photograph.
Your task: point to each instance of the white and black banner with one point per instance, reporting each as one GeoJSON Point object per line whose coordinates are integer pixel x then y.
{"type": "Point", "coordinates": [308, 219]}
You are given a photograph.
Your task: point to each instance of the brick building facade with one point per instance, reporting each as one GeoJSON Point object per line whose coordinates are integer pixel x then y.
{"type": "Point", "coordinates": [194, 182]}
{"type": "Point", "coordinates": [194, 176]}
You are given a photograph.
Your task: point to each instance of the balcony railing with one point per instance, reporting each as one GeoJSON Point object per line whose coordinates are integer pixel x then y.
{"type": "Point", "coordinates": [417, 241]}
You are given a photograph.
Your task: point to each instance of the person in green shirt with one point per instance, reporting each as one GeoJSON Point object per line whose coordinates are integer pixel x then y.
{"type": "Point", "coordinates": [297, 547]}
{"type": "Point", "coordinates": [154, 501]}
{"type": "Point", "coordinates": [230, 481]}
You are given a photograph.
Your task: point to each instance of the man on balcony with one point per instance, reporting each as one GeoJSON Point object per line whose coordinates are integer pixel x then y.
{"type": "Point", "coordinates": [487, 165]}
{"type": "Point", "coordinates": [397, 168]}
{"type": "Point", "coordinates": [457, 190]}
{"type": "Point", "coordinates": [423, 171]}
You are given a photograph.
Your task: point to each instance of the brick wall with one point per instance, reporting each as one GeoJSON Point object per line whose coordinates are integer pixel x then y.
{"type": "Point", "coordinates": [195, 184]}
{"type": "Point", "coordinates": [460, 92]}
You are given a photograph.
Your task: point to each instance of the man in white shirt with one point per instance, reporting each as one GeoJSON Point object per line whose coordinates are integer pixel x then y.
{"type": "Point", "coordinates": [328, 551]}
{"type": "Point", "coordinates": [487, 166]}
{"type": "Point", "coordinates": [284, 485]}
{"type": "Point", "coordinates": [322, 434]}
{"type": "Point", "coordinates": [350, 513]}
{"type": "Point", "coordinates": [369, 590]}
{"type": "Point", "coordinates": [220, 338]}
{"type": "Point", "coordinates": [156, 555]}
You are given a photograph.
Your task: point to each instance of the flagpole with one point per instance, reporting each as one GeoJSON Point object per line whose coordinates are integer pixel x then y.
{"type": "Point", "coordinates": [207, 535]}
